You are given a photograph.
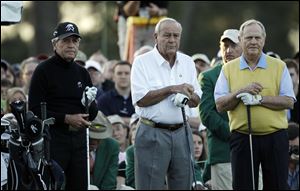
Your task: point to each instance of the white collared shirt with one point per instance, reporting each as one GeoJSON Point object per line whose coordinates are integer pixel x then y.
{"type": "Point", "coordinates": [150, 71]}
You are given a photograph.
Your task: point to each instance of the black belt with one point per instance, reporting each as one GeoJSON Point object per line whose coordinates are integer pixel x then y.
{"type": "Point", "coordinates": [170, 127]}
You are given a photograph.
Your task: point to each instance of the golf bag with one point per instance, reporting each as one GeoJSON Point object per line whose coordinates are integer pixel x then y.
{"type": "Point", "coordinates": [29, 166]}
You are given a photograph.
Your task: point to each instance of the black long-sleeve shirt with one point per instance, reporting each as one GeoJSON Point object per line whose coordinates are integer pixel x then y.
{"type": "Point", "coordinates": [60, 84]}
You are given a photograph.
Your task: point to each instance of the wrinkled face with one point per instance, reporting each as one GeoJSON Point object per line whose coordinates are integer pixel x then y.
{"type": "Point", "coordinates": [229, 50]}
{"type": "Point", "coordinates": [67, 48]}
{"type": "Point", "coordinates": [252, 41]}
{"type": "Point", "coordinates": [168, 38]}
{"type": "Point", "coordinates": [198, 146]}
{"type": "Point", "coordinates": [121, 76]}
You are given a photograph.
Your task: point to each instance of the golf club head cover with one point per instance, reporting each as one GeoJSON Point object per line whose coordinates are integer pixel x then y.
{"type": "Point", "coordinates": [180, 100]}
{"type": "Point", "coordinates": [91, 93]}
{"type": "Point", "coordinates": [18, 108]}
{"type": "Point", "coordinates": [33, 126]}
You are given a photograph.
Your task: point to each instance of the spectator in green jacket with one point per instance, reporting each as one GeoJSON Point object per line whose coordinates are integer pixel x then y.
{"type": "Point", "coordinates": [200, 155]}
{"type": "Point", "coordinates": [217, 123]}
{"type": "Point", "coordinates": [104, 152]}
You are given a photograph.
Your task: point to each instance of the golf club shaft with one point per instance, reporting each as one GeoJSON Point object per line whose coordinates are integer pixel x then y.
{"type": "Point", "coordinates": [189, 146]}
{"type": "Point", "coordinates": [87, 141]}
{"type": "Point", "coordinates": [250, 143]}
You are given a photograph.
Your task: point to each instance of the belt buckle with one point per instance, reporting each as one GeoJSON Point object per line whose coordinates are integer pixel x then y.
{"type": "Point", "coordinates": [175, 127]}
{"type": "Point", "coordinates": [148, 122]}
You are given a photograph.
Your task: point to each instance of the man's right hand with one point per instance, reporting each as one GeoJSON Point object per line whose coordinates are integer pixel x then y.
{"type": "Point", "coordinates": [77, 120]}
{"type": "Point", "coordinates": [254, 88]}
{"type": "Point", "coordinates": [185, 89]}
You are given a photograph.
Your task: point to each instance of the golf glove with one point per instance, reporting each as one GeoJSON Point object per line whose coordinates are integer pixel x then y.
{"type": "Point", "coordinates": [91, 93]}
{"type": "Point", "coordinates": [250, 99]}
{"type": "Point", "coordinates": [180, 100]}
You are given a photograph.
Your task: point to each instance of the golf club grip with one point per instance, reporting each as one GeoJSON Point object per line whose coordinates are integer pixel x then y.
{"type": "Point", "coordinates": [184, 116]}
{"type": "Point", "coordinates": [86, 102]}
{"type": "Point", "coordinates": [43, 110]}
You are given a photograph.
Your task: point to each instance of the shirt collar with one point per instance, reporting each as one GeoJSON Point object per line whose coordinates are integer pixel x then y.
{"type": "Point", "coordinates": [261, 62]}
{"type": "Point", "coordinates": [159, 59]}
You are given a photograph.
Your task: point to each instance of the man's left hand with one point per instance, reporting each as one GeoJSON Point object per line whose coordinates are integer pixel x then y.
{"type": "Point", "coordinates": [91, 93]}
{"type": "Point", "coordinates": [250, 99]}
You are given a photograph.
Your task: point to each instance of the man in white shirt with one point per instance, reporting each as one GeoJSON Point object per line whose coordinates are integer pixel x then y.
{"type": "Point", "coordinates": [161, 81]}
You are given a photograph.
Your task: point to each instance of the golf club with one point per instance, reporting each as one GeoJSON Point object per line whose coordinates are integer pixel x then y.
{"type": "Point", "coordinates": [87, 140]}
{"type": "Point", "coordinates": [18, 108]}
{"type": "Point", "coordinates": [250, 143]}
{"type": "Point", "coordinates": [189, 146]}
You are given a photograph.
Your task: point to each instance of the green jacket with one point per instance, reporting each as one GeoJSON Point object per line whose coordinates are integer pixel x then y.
{"type": "Point", "coordinates": [130, 167]}
{"type": "Point", "coordinates": [218, 132]}
{"type": "Point", "coordinates": [106, 165]}
{"type": "Point", "coordinates": [206, 175]}
{"type": "Point", "coordinates": [198, 172]}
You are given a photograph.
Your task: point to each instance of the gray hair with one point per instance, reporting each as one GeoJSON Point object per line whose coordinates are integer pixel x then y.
{"type": "Point", "coordinates": [158, 25]}
{"type": "Point", "coordinates": [54, 40]}
{"type": "Point", "coordinates": [250, 22]}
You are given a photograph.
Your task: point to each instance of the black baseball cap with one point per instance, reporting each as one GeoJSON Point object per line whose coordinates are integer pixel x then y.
{"type": "Point", "coordinates": [66, 29]}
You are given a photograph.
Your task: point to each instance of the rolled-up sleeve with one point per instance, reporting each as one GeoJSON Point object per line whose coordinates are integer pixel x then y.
{"type": "Point", "coordinates": [139, 87]}
{"type": "Point", "coordinates": [286, 85]}
{"type": "Point", "coordinates": [221, 88]}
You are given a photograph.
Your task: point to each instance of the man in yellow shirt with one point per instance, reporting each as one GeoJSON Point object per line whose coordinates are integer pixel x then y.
{"type": "Point", "coordinates": [262, 82]}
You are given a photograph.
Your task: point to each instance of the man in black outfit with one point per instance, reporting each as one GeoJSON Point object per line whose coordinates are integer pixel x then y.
{"type": "Point", "coordinates": [62, 83]}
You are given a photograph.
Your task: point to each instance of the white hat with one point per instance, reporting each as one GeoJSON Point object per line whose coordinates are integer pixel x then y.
{"type": "Point", "coordinates": [201, 57]}
{"type": "Point", "coordinates": [231, 34]}
{"type": "Point", "coordinates": [101, 128]}
{"type": "Point", "coordinates": [93, 64]}
{"type": "Point", "coordinates": [115, 119]}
